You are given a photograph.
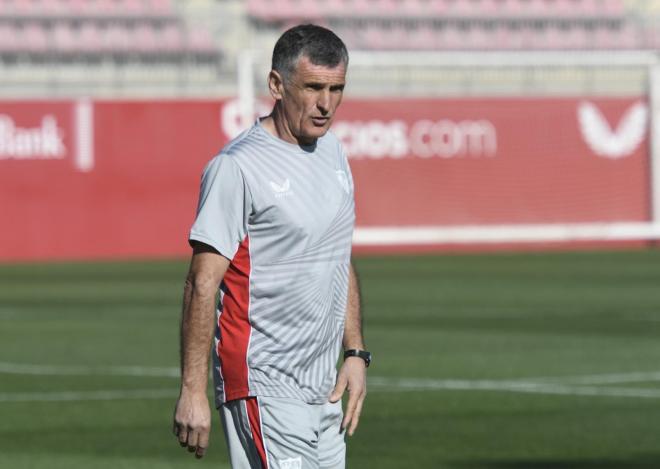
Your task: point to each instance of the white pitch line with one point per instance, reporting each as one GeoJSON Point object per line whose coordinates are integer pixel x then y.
{"type": "Point", "coordinates": [611, 378]}
{"type": "Point", "coordinates": [103, 395]}
{"type": "Point", "coordinates": [55, 370]}
{"type": "Point", "coordinates": [398, 385]}
{"type": "Point", "coordinates": [375, 383]}
{"type": "Point", "coordinates": [585, 385]}
{"type": "Point", "coordinates": [173, 372]}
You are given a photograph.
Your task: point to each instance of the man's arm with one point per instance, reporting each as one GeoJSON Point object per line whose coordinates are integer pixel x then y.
{"type": "Point", "coordinates": [192, 416]}
{"type": "Point", "coordinates": [353, 372]}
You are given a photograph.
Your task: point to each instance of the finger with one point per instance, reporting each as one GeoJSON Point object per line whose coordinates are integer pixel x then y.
{"type": "Point", "coordinates": [175, 429]}
{"type": "Point", "coordinates": [192, 441]}
{"type": "Point", "coordinates": [202, 444]}
{"type": "Point", "coordinates": [350, 408]}
{"type": "Point", "coordinates": [183, 435]}
{"type": "Point", "coordinates": [339, 389]}
{"type": "Point", "coordinates": [356, 416]}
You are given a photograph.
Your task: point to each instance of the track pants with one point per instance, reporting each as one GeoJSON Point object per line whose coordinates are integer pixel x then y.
{"type": "Point", "coordinates": [283, 433]}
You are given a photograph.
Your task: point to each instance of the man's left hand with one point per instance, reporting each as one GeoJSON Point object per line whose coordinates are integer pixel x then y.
{"type": "Point", "coordinates": [352, 376]}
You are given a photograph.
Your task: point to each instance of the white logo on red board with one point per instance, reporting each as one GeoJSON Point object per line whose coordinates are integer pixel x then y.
{"type": "Point", "coordinates": [48, 138]}
{"type": "Point", "coordinates": [376, 139]}
{"type": "Point", "coordinates": [613, 143]}
{"type": "Point", "coordinates": [43, 142]}
{"type": "Point", "coordinates": [444, 138]}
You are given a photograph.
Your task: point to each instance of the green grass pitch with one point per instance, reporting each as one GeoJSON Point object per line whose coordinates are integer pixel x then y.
{"type": "Point", "coordinates": [503, 360]}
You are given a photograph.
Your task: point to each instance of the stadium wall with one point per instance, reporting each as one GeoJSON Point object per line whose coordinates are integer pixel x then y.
{"type": "Point", "coordinates": [111, 179]}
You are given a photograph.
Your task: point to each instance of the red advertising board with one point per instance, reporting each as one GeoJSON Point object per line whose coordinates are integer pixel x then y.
{"type": "Point", "coordinates": [114, 179]}
{"type": "Point", "coordinates": [476, 162]}
{"type": "Point", "coordinates": [137, 198]}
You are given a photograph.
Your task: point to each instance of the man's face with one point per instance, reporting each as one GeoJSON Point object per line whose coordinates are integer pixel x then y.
{"type": "Point", "coordinates": [309, 98]}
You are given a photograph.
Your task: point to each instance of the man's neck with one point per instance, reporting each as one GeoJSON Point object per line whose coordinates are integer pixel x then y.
{"type": "Point", "coordinates": [276, 125]}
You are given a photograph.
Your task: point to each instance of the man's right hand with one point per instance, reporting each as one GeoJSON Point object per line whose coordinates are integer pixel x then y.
{"type": "Point", "coordinates": [192, 421]}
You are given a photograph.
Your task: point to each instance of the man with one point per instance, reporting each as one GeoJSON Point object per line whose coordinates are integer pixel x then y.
{"type": "Point", "coordinates": [273, 229]}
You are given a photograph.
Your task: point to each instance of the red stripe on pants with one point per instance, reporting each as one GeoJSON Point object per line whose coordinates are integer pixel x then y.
{"type": "Point", "coordinates": [255, 426]}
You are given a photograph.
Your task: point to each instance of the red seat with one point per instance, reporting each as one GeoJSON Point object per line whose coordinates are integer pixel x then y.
{"type": "Point", "coordinates": [9, 38]}
{"type": "Point", "coordinates": [200, 40]}
{"type": "Point", "coordinates": [131, 7]}
{"type": "Point", "coordinates": [35, 38]}
{"type": "Point", "coordinates": [171, 39]}
{"type": "Point", "coordinates": [116, 39]}
{"type": "Point", "coordinates": [423, 37]}
{"type": "Point", "coordinates": [145, 39]}
{"type": "Point", "coordinates": [89, 38]}
{"type": "Point", "coordinates": [64, 38]}
{"type": "Point", "coordinates": [160, 7]}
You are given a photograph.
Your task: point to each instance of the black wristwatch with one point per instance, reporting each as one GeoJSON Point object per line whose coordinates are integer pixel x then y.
{"type": "Point", "coordinates": [363, 354]}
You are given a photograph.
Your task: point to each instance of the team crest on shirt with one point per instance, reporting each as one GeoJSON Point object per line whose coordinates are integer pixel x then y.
{"type": "Point", "coordinates": [291, 463]}
{"type": "Point", "coordinates": [343, 179]}
{"type": "Point", "coordinates": [283, 189]}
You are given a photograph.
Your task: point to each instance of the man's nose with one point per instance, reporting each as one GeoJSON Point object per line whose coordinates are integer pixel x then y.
{"type": "Point", "coordinates": [323, 102]}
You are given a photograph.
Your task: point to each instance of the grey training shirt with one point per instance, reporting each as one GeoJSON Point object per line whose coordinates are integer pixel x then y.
{"type": "Point", "coordinates": [284, 215]}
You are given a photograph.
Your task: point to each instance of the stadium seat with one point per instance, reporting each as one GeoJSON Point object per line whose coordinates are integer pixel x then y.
{"type": "Point", "coordinates": [201, 41]}
{"type": "Point", "coordinates": [374, 37]}
{"type": "Point", "coordinates": [9, 39]}
{"type": "Point", "coordinates": [64, 39]}
{"type": "Point", "coordinates": [35, 38]}
{"type": "Point", "coordinates": [131, 8]}
{"type": "Point", "coordinates": [116, 40]}
{"type": "Point", "coordinates": [414, 8]}
{"type": "Point", "coordinates": [362, 7]}
{"type": "Point", "coordinates": [629, 37]}
{"type": "Point", "coordinates": [336, 8]}
{"type": "Point", "coordinates": [260, 9]}
{"type": "Point", "coordinates": [160, 7]}
{"type": "Point", "coordinates": [145, 39]}
{"type": "Point", "coordinates": [105, 8]}
{"type": "Point", "coordinates": [613, 7]}
{"type": "Point", "coordinates": [78, 8]}
{"type": "Point", "coordinates": [423, 38]}
{"type": "Point", "coordinates": [51, 7]}
{"type": "Point", "coordinates": [490, 8]}
{"type": "Point", "coordinates": [89, 38]}
{"type": "Point", "coordinates": [171, 39]}
{"type": "Point", "coordinates": [23, 7]}
{"type": "Point", "coordinates": [451, 38]}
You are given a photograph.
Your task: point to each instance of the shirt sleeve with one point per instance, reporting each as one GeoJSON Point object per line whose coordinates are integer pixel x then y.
{"type": "Point", "coordinates": [223, 208]}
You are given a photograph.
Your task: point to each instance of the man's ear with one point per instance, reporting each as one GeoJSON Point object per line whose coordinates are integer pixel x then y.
{"type": "Point", "coordinates": [275, 85]}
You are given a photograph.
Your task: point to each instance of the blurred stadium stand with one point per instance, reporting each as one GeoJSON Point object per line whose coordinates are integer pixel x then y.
{"type": "Point", "coordinates": [144, 48]}
{"type": "Point", "coordinates": [107, 47]}
{"type": "Point", "coordinates": [471, 24]}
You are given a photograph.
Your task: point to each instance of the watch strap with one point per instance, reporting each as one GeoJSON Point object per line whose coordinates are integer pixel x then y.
{"type": "Point", "coordinates": [363, 354]}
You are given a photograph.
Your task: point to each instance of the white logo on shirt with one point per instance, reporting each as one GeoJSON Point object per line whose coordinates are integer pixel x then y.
{"type": "Point", "coordinates": [291, 463]}
{"type": "Point", "coordinates": [343, 180]}
{"type": "Point", "coordinates": [281, 190]}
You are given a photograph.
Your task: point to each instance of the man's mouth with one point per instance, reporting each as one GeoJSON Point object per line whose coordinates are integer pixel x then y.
{"type": "Point", "coordinates": [320, 120]}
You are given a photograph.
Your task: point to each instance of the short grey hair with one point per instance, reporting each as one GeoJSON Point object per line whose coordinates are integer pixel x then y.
{"type": "Point", "coordinates": [320, 45]}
